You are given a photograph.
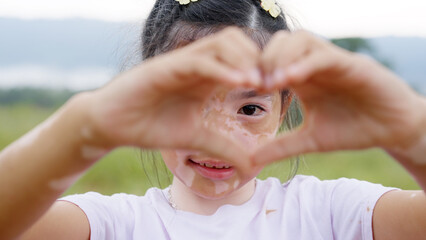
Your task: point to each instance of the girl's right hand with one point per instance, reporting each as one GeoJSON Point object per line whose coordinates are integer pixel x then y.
{"type": "Point", "coordinates": [157, 104]}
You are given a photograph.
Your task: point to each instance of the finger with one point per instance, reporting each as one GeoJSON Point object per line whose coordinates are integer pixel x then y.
{"type": "Point", "coordinates": [278, 42]}
{"type": "Point", "coordinates": [284, 49]}
{"type": "Point", "coordinates": [305, 68]}
{"type": "Point", "coordinates": [214, 71]}
{"type": "Point", "coordinates": [291, 144]}
{"type": "Point", "coordinates": [236, 49]}
{"type": "Point", "coordinates": [218, 145]}
{"type": "Point", "coordinates": [245, 63]}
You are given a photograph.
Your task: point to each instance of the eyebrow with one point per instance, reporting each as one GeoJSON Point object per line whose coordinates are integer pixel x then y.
{"type": "Point", "coordinates": [250, 94]}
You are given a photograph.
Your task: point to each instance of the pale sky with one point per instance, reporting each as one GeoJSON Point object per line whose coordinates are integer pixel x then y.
{"type": "Point", "coordinates": [330, 18]}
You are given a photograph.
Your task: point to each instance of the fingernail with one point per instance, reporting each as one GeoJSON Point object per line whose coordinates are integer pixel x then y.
{"type": "Point", "coordinates": [255, 77]}
{"type": "Point", "coordinates": [278, 76]}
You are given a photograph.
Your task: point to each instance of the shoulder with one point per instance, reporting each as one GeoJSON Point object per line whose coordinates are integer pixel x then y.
{"type": "Point", "coordinates": [119, 202]}
{"type": "Point", "coordinates": [348, 203]}
{"type": "Point", "coordinates": [302, 182]}
{"type": "Point", "coordinates": [117, 215]}
{"type": "Point", "coordinates": [98, 200]}
{"type": "Point", "coordinates": [326, 195]}
{"type": "Point", "coordinates": [341, 208]}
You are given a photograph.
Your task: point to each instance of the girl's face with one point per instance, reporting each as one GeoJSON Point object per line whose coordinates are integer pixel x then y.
{"type": "Point", "coordinates": [245, 115]}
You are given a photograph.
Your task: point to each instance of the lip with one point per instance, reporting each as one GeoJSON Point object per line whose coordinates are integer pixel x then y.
{"type": "Point", "coordinates": [218, 170]}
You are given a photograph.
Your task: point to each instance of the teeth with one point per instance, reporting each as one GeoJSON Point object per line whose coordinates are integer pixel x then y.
{"type": "Point", "coordinates": [212, 166]}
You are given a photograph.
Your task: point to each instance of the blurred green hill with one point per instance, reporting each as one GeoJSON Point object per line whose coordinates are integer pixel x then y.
{"type": "Point", "coordinates": [46, 98]}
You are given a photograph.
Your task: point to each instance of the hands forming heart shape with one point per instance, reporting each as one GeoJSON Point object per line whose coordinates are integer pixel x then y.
{"type": "Point", "coordinates": [349, 101]}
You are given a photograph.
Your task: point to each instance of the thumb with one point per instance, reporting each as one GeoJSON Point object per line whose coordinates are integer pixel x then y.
{"type": "Point", "coordinates": [287, 145]}
{"type": "Point", "coordinates": [221, 146]}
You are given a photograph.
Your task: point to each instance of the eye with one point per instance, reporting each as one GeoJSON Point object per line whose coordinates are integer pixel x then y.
{"type": "Point", "coordinates": [251, 110]}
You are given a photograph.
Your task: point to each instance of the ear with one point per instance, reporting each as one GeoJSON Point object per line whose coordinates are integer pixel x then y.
{"type": "Point", "coordinates": [286, 101]}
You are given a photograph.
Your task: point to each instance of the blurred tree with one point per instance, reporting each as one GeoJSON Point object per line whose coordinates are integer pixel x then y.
{"type": "Point", "coordinates": [47, 98]}
{"type": "Point", "coordinates": [361, 45]}
{"type": "Point", "coordinates": [354, 44]}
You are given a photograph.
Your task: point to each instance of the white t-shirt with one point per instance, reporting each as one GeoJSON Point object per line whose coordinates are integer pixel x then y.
{"type": "Point", "coordinates": [305, 208]}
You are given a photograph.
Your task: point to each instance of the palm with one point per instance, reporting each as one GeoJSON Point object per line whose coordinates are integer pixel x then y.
{"type": "Point", "coordinates": [350, 112]}
{"type": "Point", "coordinates": [158, 103]}
{"type": "Point", "coordinates": [164, 117]}
{"type": "Point", "coordinates": [346, 107]}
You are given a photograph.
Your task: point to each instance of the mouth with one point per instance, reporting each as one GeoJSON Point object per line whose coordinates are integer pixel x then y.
{"type": "Point", "coordinates": [212, 170]}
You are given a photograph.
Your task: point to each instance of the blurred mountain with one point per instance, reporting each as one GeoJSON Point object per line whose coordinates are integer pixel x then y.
{"type": "Point", "coordinates": [90, 51]}
{"type": "Point", "coordinates": [65, 44]}
{"type": "Point", "coordinates": [407, 57]}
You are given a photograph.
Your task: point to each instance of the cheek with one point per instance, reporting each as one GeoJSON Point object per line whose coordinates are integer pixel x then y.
{"type": "Point", "coordinates": [266, 128]}
{"type": "Point", "coordinates": [177, 164]}
{"type": "Point", "coordinates": [254, 133]}
{"type": "Point", "coordinates": [169, 159]}
{"type": "Point", "coordinates": [251, 140]}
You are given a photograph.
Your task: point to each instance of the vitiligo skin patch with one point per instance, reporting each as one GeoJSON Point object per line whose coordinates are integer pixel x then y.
{"type": "Point", "coordinates": [206, 176]}
{"type": "Point", "coordinates": [64, 183]}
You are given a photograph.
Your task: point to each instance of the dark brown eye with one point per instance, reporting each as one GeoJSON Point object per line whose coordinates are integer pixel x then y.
{"type": "Point", "coordinates": [250, 110]}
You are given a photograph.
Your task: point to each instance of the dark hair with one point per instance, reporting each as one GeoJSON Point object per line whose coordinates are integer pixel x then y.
{"type": "Point", "coordinates": [170, 25]}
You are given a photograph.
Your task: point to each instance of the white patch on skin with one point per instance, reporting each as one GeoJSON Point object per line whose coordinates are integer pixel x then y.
{"type": "Point", "coordinates": [63, 183]}
{"type": "Point", "coordinates": [92, 153]}
{"type": "Point", "coordinates": [221, 187]}
{"type": "Point", "coordinates": [236, 183]}
{"type": "Point", "coordinates": [86, 133]}
{"type": "Point", "coordinates": [413, 195]}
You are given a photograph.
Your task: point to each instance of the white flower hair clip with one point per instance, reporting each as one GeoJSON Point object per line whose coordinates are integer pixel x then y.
{"type": "Point", "coordinates": [271, 7]}
{"type": "Point", "coordinates": [185, 2]}
{"type": "Point", "coordinates": [268, 5]}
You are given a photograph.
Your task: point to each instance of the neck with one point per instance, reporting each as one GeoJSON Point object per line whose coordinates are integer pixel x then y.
{"type": "Point", "coordinates": [186, 200]}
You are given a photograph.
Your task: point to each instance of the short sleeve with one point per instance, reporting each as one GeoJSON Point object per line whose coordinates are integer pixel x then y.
{"type": "Point", "coordinates": [109, 216]}
{"type": "Point", "coordinates": [352, 204]}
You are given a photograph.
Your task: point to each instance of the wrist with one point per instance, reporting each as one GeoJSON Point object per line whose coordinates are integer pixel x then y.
{"type": "Point", "coordinates": [86, 138]}
{"type": "Point", "coordinates": [415, 150]}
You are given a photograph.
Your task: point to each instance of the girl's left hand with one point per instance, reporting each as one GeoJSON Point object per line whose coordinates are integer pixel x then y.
{"type": "Point", "coordinates": [350, 101]}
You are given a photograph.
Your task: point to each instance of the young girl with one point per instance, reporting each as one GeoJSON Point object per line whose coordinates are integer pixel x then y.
{"type": "Point", "coordinates": [211, 96]}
